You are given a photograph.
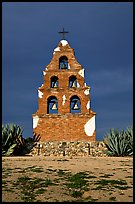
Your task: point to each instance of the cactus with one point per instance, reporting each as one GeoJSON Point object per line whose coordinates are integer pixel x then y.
{"type": "Point", "coordinates": [119, 143]}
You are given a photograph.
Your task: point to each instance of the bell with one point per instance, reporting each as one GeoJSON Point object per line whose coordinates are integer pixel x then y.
{"type": "Point", "coordinates": [55, 85]}
{"type": "Point", "coordinates": [54, 106]}
{"type": "Point", "coordinates": [73, 84]}
{"type": "Point", "coordinates": [63, 66]}
{"type": "Point", "coordinates": [75, 107]}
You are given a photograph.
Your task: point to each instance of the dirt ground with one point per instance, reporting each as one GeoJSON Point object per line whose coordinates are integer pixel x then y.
{"type": "Point", "coordinates": [63, 179]}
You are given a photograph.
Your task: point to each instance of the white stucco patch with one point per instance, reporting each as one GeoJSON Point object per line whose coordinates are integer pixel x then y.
{"type": "Point", "coordinates": [44, 73]}
{"type": "Point", "coordinates": [89, 127]}
{"type": "Point", "coordinates": [63, 99]}
{"type": "Point", "coordinates": [78, 85]}
{"type": "Point", "coordinates": [87, 91]}
{"type": "Point", "coordinates": [40, 94]}
{"type": "Point", "coordinates": [81, 72]}
{"type": "Point", "coordinates": [57, 49]}
{"type": "Point", "coordinates": [64, 42]}
{"type": "Point", "coordinates": [88, 105]}
{"type": "Point", "coordinates": [35, 121]}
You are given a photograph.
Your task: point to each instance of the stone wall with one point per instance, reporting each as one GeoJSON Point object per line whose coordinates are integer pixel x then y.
{"type": "Point", "coordinates": [70, 149]}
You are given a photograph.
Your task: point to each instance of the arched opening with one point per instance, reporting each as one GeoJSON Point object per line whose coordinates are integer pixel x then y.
{"type": "Point", "coordinates": [75, 104]}
{"type": "Point", "coordinates": [52, 105]}
{"type": "Point", "coordinates": [72, 81]}
{"type": "Point", "coordinates": [63, 62]}
{"type": "Point", "coordinates": [54, 82]}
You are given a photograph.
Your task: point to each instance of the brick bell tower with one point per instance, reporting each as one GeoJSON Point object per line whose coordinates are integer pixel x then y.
{"type": "Point", "coordinates": [64, 112]}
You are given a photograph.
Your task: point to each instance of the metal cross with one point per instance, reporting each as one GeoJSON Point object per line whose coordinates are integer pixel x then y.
{"type": "Point", "coordinates": [63, 33]}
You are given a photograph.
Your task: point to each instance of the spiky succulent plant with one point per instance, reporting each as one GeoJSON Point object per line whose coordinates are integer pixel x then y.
{"type": "Point", "coordinates": [13, 142]}
{"type": "Point", "coordinates": [12, 139]}
{"type": "Point", "coordinates": [119, 143]}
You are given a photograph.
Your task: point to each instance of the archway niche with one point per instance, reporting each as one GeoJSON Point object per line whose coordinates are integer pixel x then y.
{"type": "Point", "coordinates": [52, 105]}
{"type": "Point", "coordinates": [75, 104]}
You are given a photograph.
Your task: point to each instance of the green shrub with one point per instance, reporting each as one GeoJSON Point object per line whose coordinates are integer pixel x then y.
{"type": "Point", "coordinates": [119, 143]}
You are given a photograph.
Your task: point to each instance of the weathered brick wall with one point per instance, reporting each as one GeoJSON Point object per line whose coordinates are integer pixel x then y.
{"type": "Point", "coordinates": [70, 149]}
{"type": "Point", "coordinates": [68, 127]}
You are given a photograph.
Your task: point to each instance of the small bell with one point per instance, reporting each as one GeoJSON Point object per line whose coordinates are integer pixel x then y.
{"type": "Point", "coordinates": [54, 106]}
{"type": "Point", "coordinates": [55, 85]}
{"type": "Point", "coordinates": [73, 84]}
{"type": "Point", "coordinates": [75, 107]}
{"type": "Point", "coordinates": [63, 66]}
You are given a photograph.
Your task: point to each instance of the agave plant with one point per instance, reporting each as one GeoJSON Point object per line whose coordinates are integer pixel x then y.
{"type": "Point", "coordinates": [7, 144]}
{"type": "Point", "coordinates": [119, 143]}
{"type": "Point", "coordinates": [12, 139]}
{"type": "Point", "coordinates": [129, 139]}
{"type": "Point", "coordinates": [13, 142]}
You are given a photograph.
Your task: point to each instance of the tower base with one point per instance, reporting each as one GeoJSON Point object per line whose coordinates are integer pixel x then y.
{"type": "Point", "coordinates": [65, 127]}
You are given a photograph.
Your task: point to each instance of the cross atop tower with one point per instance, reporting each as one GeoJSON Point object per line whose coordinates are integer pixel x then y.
{"type": "Point", "coordinates": [63, 32]}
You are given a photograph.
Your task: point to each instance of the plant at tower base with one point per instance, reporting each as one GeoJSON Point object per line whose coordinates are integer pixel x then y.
{"type": "Point", "coordinates": [13, 143]}
{"type": "Point", "coordinates": [12, 140]}
{"type": "Point", "coordinates": [119, 143]}
{"type": "Point", "coordinates": [30, 142]}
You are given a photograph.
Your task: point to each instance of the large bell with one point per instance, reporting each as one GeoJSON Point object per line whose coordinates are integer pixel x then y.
{"type": "Point", "coordinates": [54, 107]}
{"type": "Point", "coordinates": [75, 107]}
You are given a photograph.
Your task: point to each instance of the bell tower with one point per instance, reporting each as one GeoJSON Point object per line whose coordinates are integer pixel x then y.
{"type": "Point", "coordinates": [64, 112]}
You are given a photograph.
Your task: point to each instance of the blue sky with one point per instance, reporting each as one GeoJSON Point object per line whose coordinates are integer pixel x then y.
{"type": "Point", "coordinates": [101, 35]}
